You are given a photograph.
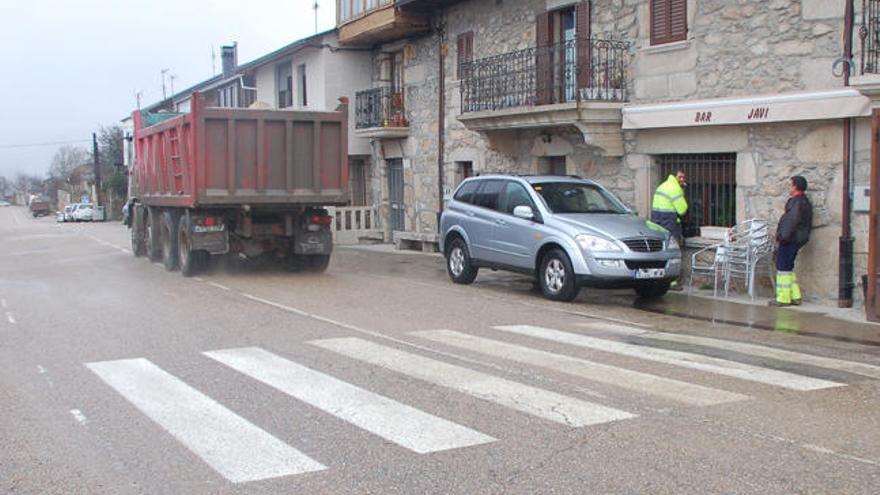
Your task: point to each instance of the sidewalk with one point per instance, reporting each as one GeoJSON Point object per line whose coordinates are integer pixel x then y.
{"type": "Point", "coordinates": [809, 319]}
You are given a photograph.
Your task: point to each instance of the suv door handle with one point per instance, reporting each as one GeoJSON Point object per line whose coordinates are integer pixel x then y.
{"type": "Point", "coordinates": [470, 213]}
{"type": "Point", "coordinates": [500, 222]}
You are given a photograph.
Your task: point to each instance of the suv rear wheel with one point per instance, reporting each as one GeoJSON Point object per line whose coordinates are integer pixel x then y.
{"type": "Point", "coordinates": [458, 263]}
{"type": "Point", "coordinates": [556, 277]}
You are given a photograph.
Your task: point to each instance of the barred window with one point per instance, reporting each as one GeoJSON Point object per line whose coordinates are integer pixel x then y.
{"type": "Point", "coordinates": [710, 190]}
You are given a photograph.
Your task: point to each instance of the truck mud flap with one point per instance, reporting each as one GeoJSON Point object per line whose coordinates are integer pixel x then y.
{"type": "Point", "coordinates": [313, 243]}
{"type": "Point", "coordinates": [212, 242]}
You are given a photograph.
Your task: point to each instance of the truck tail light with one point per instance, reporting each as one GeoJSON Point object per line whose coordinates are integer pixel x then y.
{"type": "Point", "coordinates": [320, 220]}
{"type": "Point", "coordinates": [205, 221]}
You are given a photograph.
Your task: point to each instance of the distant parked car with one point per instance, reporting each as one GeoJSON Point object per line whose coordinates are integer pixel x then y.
{"type": "Point", "coordinates": [84, 212]}
{"type": "Point", "coordinates": [67, 213]}
{"type": "Point", "coordinates": [566, 232]}
{"type": "Point", "coordinates": [3, 202]}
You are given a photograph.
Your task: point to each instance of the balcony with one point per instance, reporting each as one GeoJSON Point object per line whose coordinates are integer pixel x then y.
{"type": "Point", "coordinates": [580, 82]}
{"type": "Point", "coordinates": [868, 80]}
{"type": "Point", "coordinates": [368, 22]}
{"type": "Point", "coordinates": [380, 113]}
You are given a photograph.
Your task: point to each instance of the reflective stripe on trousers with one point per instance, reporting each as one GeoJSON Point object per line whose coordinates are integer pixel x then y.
{"type": "Point", "coordinates": [787, 288]}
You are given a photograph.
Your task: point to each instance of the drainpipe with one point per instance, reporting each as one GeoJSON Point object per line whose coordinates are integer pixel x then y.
{"type": "Point", "coordinates": [845, 243]}
{"type": "Point", "coordinates": [441, 116]}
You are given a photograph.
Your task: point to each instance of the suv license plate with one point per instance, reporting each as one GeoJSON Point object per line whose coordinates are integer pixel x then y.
{"type": "Point", "coordinates": [649, 273]}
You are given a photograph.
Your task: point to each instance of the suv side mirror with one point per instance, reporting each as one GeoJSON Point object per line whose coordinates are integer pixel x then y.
{"type": "Point", "coordinates": [523, 211]}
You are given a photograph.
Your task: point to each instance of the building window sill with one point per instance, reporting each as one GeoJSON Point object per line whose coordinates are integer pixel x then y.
{"type": "Point", "coordinates": [666, 47]}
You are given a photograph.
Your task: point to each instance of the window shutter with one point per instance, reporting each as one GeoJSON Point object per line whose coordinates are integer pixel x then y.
{"type": "Point", "coordinates": [465, 51]}
{"type": "Point", "coordinates": [668, 21]}
{"type": "Point", "coordinates": [584, 45]}
{"type": "Point", "coordinates": [678, 20]}
{"type": "Point", "coordinates": [544, 61]}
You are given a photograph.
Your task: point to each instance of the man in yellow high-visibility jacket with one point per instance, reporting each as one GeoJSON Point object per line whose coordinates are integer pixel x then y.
{"type": "Point", "coordinates": [669, 206]}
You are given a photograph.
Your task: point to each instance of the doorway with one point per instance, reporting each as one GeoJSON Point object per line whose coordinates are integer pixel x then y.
{"type": "Point", "coordinates": [397, 214]}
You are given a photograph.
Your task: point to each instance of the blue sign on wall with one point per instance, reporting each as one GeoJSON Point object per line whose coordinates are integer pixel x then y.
{"type": "Point", "coordinates": [85, 198]}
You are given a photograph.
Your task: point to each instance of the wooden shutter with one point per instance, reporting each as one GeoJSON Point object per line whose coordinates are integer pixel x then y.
{"type": "Point", "coordinates": [584, 44]}
{"type": "Point", "coordinates": [543, 60]}
{"type": "Point", "coordinates": [465, 51]}
{"type": "Point", "coordinates": [668, 21]}
{"type": "Point", "coordinates": [677, 20]}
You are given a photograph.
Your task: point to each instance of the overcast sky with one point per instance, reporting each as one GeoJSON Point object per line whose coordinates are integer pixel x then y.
{"type": "Point", "coordinates": [70, 66]}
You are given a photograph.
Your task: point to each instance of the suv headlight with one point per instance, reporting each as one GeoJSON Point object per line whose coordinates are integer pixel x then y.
{"type": "Point", "coordinates": [672, 244]}
{"type": "Point", "coordinates": [595, 243]}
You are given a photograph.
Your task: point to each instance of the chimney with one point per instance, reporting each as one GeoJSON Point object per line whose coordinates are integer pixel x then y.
{"type": "Point", "coordinates": [229, 58]}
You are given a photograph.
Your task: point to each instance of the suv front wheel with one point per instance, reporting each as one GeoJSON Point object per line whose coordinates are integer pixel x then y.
{"type": "Point", "coordinates": [556, 277]}
{"type": "Point", "coordinates": [458, 263]}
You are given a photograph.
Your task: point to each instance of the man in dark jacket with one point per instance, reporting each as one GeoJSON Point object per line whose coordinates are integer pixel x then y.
{"type": "Point", "coordinates": [792, 234]}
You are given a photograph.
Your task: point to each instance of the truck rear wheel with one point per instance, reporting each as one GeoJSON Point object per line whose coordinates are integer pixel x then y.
{"type": "Point", "coordinates": [191, 262]}
{"type": "Point", "coordinates": [317, 263]}
{"type": "Point", "coordinates": [138, 248]}
{"type": "Point", "coordinates": [152, 243]}
{"type": "Point", "coordinates": [169, 240]}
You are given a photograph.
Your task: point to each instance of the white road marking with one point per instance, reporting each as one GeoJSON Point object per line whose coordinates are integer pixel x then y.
{"type": "Point", "coordinates": [399, 423]}
{"type": "Point", "coordinates": [10, 318]}
{"type": "Point", "coordinates": [3, 303]}
{"type": "Point", "coordinates": [79, 416]}
{"type": "Point", "coordinates": [760, 351]}
{"type": "Point", "coordinates": [114, 246]}
{"type": "Point", "coordinates": [41, 370]}
{"type": "Point", "coordinates": [531, 400]}
{"type": "Point", "coordinates": [677, 358]}
{"type": "Point", "coordinates": [632, 380]}
{"type": "Point", "coordinates": [219, 286]}
{"type": "Point", "coordinates": [233, 446]}
{"type": "Point", "coordinates": [126, 251]}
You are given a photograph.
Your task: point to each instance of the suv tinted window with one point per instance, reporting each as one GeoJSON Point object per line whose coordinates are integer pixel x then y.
{"type": "Point", "coordinates": [465, 193]}
{"type": "Point", "coordinates": [487, 196]}
{"type": "Point", "coordinates": [514, 195]}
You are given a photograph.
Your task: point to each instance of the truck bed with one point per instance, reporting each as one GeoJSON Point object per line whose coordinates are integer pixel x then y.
{"type": "Point", "coordinates": [232, 156]}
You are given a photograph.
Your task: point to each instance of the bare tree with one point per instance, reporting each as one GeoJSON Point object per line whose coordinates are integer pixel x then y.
{"type": "Point", "coordinates": [66, 159]}
{"type": "Point", "coordinates": [6, 188]}
{"type": "Point", "coordinates": [28, 184]}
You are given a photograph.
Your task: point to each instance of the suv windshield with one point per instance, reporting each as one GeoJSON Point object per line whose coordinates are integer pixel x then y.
{"type": "Point", "coordinates": [577, 197]}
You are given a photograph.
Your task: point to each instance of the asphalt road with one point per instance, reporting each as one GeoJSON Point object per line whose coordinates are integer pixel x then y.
{"type": "Point", "coordinates": [380, 376]}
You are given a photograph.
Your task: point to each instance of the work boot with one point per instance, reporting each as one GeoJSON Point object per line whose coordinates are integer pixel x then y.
{"type": "Point", "coordinates": [795, 302]}
{"type": "Point", "coordinates": [778, 304]}
{"type": "Point", "coordinates": [675, 286]}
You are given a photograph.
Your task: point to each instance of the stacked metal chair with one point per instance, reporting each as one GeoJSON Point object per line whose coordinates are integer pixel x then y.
{"type": "Point", "coordinates": [747, 245]}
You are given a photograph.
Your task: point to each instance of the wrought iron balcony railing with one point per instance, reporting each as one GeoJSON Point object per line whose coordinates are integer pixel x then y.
{"type": "Point", "coordinates": [574, 70]}
{"type": "Point", "coordinates": [379, 107]}
{"type": "Point", "coordinates": [869, 33]}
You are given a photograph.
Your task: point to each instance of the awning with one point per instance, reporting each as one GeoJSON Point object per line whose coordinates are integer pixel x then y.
{"type": "Point", "coordinates": [817, 105]}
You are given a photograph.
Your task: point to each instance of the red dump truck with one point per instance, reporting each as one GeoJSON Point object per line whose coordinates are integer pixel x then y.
{"type": "Point", "coordinates": [219, 181]}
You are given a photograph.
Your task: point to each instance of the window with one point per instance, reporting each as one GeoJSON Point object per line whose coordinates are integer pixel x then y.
{"type": "Point", "coordinates": [552, 165]}
{"type": "Point", "coordinates": [227, 97]}
{"type": "Point", "coordinates": [668, 21]}
{"type": "Point", "coordinates": [487, 196]}
{"type": "Point", "coordinates": [710, 190]}
{"type": "Point", "coordinates": [465, 52]}
{"type": "Point", "coordinates": [465, 193]}
{"type": "Point", "coordinates": [285, 85]}
{"type": "Point", "coordinates": [349, 9]}
{"type": "Point", "coordinates": [515, 195]}
{"type": "Point", "coordinates": [301, 95]}
{"type": "Point", "coordinates": [577, 197]}
{"type": "Point", "coordinates": [358, 177]}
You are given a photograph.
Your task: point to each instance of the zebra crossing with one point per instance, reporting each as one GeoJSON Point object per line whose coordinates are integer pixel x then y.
{"type": "Point", "coordinates": [241, 451]}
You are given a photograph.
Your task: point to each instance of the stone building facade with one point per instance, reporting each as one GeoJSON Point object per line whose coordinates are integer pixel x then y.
{"type": "Point", "coordinates": [736, 56]}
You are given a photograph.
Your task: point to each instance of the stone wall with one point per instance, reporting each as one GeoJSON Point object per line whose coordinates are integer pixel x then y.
{"type": "Point", "coordinates": [741, 47]}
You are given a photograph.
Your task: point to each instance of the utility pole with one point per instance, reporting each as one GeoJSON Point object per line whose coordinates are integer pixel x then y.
{"type": "Point", "coordinates": [213, 62]}
{"type": "Point", "coordinates": [316, 7]}
{"type": "Point", "coordinates": [164, 94]}
{"type": "Point", "coordinates": [172, 77]}
{"type": "Point", "coordinates": [97, 169]}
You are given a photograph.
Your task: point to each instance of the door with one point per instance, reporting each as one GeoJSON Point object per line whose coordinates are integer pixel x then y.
{"type": "Point", "coordinates": [872, 302]}
{"type": "Point", "coordinates": [513, 237]}
{"type": "Point", "coordinates": [483, 216]}
{"type": "Point", "coordinates": [397, 215]}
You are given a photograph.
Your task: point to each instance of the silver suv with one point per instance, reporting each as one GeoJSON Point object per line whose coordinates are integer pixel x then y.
{"type": "Point", "coordinates": [567, 232]}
